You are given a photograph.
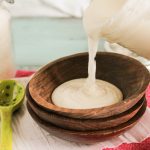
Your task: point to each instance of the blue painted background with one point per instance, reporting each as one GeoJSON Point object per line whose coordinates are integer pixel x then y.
{"type": "Point", "coordinates": [40, 40]}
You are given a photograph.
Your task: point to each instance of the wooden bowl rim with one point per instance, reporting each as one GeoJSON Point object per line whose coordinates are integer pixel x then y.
{"type": "Point", "coordinates": [87, 124]}
{"type": "Point", "coordinates": [137, 105]}
{"type": "Point", "coordinates": [123, 126]}
{"type": "Point", "coordinates": [43, 103]}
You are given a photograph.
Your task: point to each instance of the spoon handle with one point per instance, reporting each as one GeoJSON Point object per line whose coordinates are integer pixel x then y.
{"type": "Point", "coordinates": [6, 130]}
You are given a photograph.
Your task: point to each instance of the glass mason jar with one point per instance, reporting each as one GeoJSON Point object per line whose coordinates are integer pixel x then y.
{"type": "Point", "coordinates": [126, 22]}
{"type": "Point", "coordinates": [7, 69]}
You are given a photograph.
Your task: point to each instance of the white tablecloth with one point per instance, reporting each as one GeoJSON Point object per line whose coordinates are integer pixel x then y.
{"type": "Point", "coordinates": [27, 135]}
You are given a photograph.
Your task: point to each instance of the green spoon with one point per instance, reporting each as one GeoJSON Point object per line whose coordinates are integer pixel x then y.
{"type": "Point", "coordinates": [11, 98]}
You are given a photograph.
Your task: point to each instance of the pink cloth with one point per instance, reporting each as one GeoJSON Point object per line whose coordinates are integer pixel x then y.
{"type": "Point", "coordinates": [148, 96]}
{"type": "Point", "coordinates": [144, 145]}
{"type": "Point", "coordinates": [24, 73]}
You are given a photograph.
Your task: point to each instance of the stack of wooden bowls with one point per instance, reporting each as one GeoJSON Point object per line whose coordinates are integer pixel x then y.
{"type": "Point", "coordinates": [89, 125]}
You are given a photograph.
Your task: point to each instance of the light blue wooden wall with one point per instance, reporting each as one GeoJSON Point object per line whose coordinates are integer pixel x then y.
{"type": "Point", "coordinates": [40, 40]}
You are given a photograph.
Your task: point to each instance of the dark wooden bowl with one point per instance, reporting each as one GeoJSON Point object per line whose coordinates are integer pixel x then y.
{"type": "Point", "coordinates": [80, 124]}
{"type": "Point", "coordinates": [126, 73]}
{"type": "Point", "coordinates": [87, 137]}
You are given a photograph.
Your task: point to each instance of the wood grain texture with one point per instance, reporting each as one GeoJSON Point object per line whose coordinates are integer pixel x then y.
{"type": "Point", "coordinates": [87, 137]}
{"type": "Point", "coordinates": [126, 73]}
{"type": "Point", "coordinates": [27, 135]}
{"type": "Point", "coordinates": [80, 124]}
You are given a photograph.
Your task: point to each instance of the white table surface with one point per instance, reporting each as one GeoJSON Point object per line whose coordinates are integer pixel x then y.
{"type": "Point", "coordinates": [27, 135]}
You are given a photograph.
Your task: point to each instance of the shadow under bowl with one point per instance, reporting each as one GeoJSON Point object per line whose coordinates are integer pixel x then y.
{"type": "Point", "coordinates": [129, 75]}
{"type": "Point", "coordinates": [83, 124]}
{"type": "Point", "coordinates": [87, 137]}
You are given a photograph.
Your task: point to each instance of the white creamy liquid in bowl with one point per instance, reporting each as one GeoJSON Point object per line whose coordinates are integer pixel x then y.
{"type": "Point", "coordinates": [87, 93]}
{"type": "Point", "coordinates": [76, 94]}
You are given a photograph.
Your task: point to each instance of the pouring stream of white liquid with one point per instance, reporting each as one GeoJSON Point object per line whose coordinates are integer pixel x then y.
{"type": "Point", "coordinates": [90, 93]}
{"type": "Point", "coordinates": [87, 93]}
{"type": "Point", "coordinates": [93, 45]}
